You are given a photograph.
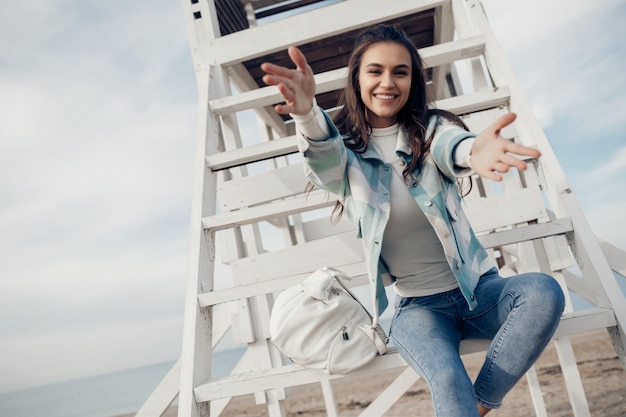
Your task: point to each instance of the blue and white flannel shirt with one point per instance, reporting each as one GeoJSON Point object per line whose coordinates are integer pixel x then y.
{"type": "Point", "coordinates": [362, 182]}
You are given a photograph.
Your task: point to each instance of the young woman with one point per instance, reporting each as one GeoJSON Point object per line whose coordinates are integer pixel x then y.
{"type": "Point", "coordinates": [393, 163]}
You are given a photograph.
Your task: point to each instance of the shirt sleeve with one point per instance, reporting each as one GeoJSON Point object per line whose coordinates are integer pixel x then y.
{"type": "Point", "coordinates": [462, 153]}
{"type": "Point", "coordinates": [313, 125]}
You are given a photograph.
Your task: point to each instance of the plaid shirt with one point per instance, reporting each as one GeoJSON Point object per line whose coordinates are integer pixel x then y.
{"type": "Point", "coordinates": [361, 181]}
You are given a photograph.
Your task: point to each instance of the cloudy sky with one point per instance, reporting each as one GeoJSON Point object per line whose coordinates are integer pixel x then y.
{"type": "Point", "coordinates": [97, 125]}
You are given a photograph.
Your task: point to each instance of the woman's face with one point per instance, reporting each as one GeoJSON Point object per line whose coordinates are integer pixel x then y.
{"type": "Point", "coordinates": [385, 81]}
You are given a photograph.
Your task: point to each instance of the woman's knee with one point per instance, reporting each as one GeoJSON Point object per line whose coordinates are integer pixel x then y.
{"type": "Point", "coordinates": [542, 291]}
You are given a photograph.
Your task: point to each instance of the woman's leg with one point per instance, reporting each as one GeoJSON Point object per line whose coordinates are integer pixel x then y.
{"type": "Point", "coordinates": [427, 336]}
{"type": "Point", "coordinates": [520, 315]}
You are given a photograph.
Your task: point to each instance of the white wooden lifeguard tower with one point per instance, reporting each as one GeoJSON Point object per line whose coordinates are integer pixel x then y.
{"type": "Point", "coordinates": [252, 220]}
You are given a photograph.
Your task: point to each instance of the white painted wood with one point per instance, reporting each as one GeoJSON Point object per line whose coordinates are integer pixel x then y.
{"type": "Point", "coordinates": [243, 81]}
{"type": "Point", "coordinates": [241, 319]}
{"type": "Point", "coordinates": [319, 228]}
{"type": "Point", "coordinates": [262, 188]}
{"type": "Point", "coordinates": [444, 33]}
{"type": "Point", "coordinates": [253, 153]}
{"type": "Point", "coordinates": [571, 375]}
{"type": "Point", "coordinates": [615, 256]}
{"type": "Point", "coordinates": [329, 399]}
{"type": "Point", "coordinates": [163, 396]}
{"type": "Point", "coordinates": [505, 210]}
{"type": "Point", "coordinates": [257, 214]}
{"type": "Point", "coordinates": [535, 393]}
{"type": "Point", "coordinates": [293, 375]}
{"type": "Point", "coordinates": [391, 394]}
{"type": "Point", "coordinates": [312, 26]}
{"type": "Point", "coordinates": [525, 233]}
{"type": "Point", "coordinates": [196, 350]}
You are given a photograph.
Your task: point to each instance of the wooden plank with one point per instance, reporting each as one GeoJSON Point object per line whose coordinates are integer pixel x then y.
{"type": "Point", "coordinates": [251, 190]}
{"type": "Point", "coordinates": [319, 228]}
{"type": "Point", "coordinates": [614, 256]}
{"type": "Point", "coordinates": [293, 375]}
{"type": "Point", "coordinates": [506, 209]}
{"type": "Point", "coordinates": [164, 394]}
{"type": "Point", "coordinates": [338, 250]}
{"type": "Point", "coordinates": [313, 25]}
{"type": "Point", "coordinates": [274, 271]}
{"type": "Point", "coordinates": [244, 82]}
{"type": "Point", "coordinates": [535, 392]}
{"type": "Point", "coordinates": [525, 233]}
{"type": "Point", "coordinates": [253, 153]}
{"type": "Point", "coordinates": [266, 212]}
{"type": "Point", "coordinates": [392, 393]}
{"type": "Point", "coordinates": [475, 102]}
{"type": "Point", "coordinates": [571, 375]}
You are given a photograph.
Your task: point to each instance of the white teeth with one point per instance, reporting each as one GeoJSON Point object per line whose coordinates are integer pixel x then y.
{"type": "Point", "coordinates": [384, 97]}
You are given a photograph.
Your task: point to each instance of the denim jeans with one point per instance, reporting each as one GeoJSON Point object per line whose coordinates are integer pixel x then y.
{"type": "Point", "coordinates": [518, 314]}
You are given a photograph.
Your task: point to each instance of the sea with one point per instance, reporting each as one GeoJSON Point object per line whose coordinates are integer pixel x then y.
{"type": "Point", "coordinates": [125, 392]}
{"type": "Point", "coordinates": [105, 395]}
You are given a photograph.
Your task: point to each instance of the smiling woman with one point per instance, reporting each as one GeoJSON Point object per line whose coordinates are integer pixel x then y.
{"type": "Point", "coordinates": [449, 289]}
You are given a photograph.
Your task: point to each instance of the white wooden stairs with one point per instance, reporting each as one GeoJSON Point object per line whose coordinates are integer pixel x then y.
{"type": "Point", "coordinates": [254, 231]}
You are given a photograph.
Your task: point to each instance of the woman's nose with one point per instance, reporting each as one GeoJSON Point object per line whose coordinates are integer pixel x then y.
{"type": "Point", "coordinates": [386, 80]}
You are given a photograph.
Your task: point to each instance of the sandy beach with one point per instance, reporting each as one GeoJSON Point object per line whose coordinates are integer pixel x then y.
{"type": "Point", "coordinates": [604, 381]}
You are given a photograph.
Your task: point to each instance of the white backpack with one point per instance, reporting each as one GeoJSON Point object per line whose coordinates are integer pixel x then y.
{"type": "Point", "coordinates": [320, 324]}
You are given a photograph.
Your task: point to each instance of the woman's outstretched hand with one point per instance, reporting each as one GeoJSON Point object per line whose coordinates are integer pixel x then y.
{"type": "Point", "coordinates": [297, 86]}
{"type": "Point", "coordinates": [491, 153]}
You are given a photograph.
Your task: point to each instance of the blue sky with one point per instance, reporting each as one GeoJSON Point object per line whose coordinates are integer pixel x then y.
{"type": "Point", "coordinates": [97, 130]}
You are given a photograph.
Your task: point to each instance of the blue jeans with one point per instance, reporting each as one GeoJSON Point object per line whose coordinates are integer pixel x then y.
{"type": "Point", "coordinates": [518, 314]}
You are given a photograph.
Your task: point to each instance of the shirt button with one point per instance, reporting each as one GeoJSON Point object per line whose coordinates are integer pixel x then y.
{"type": "Point", "coordinates": [401, 162]}
{"type": "Point", "coordinates": [458, 265]}
{"type": "Point", "coordinates": [428, 203]}
{"type": "Point", "coordinates": [414, 184]}
{"type": "Point", "coordinates": [446, 235]}
{"type": "Point", "coordinates": [472, 297]}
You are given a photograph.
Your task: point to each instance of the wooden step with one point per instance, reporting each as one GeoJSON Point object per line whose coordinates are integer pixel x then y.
{"type": "Point", "coordinates": [292, 375]}
{"type": "Point", "coordinates": [268, 272]}
{"type": "Point", "coordinates": [313, 25]}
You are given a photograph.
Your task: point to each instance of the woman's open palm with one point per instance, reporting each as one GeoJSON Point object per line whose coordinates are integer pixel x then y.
{"type": "Point", "coordinates": [491, 153]}
{"type": "Point", "coordinates": [297, 86]}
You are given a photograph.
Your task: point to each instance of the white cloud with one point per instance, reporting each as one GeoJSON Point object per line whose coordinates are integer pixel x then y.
{"type": "Point", "coordinates": [567, 65]}
{"type": "Point", "coordinates": [615, 166]}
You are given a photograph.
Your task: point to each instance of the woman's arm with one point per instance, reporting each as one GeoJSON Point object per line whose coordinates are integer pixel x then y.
{"type": "Point", "coordinates": [319, 142]}
{"type": "Point", "coordinates": [489, 156]}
